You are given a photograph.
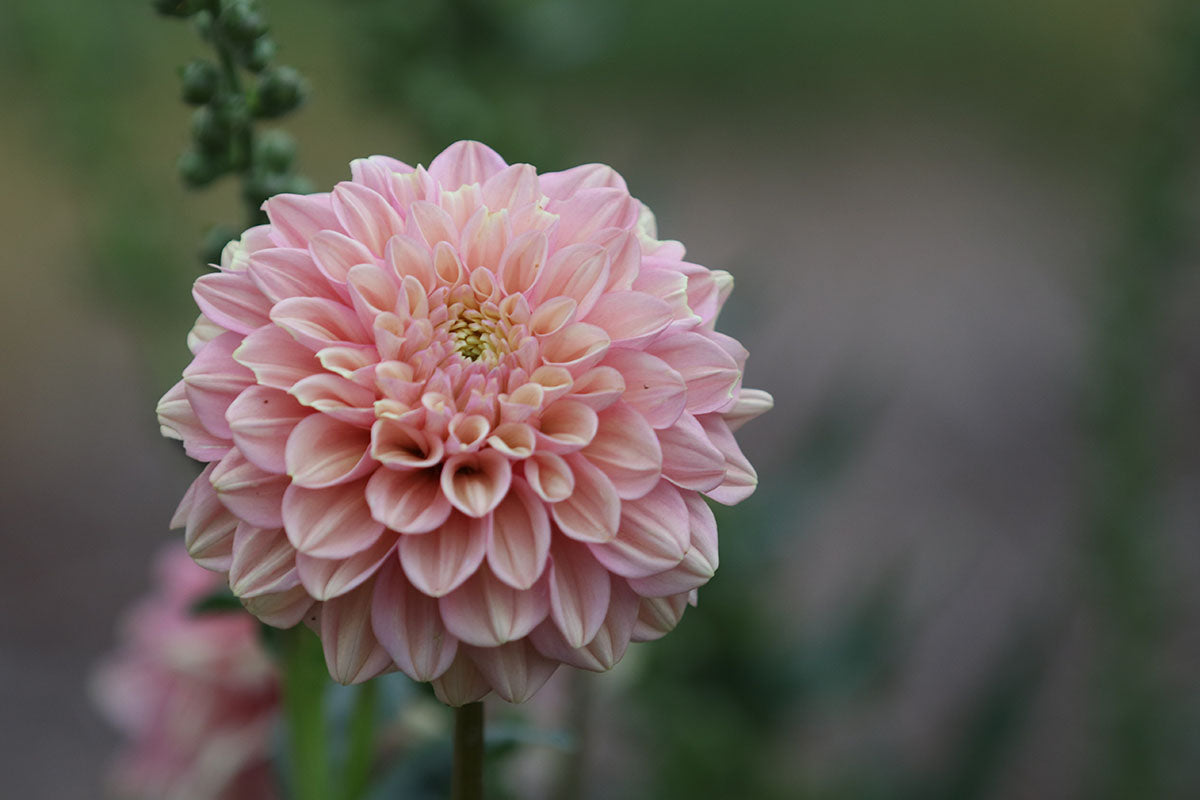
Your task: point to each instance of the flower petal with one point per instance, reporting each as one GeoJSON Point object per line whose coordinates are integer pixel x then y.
{"type": "Point", "coordinates": [549, 476]}
{"type": "Point", "coordinates": [322, 451]}
{"type": "Point", "coordinates": [740, 478]}
{"type": "Point", "coordinates": [653, 536]}
{"type": "Point", "coordinates": [690, 460]}
{"type": "Point", "coordinates": [579, 592]}
{"type": "Point", "coordinates": [232, 300]}
{"type": "Point", "coordinates": [296, 218]}
{"type": "Point", "coordinates": [438, 562]}
{"type": "Point", "coordinates": [519, 541]}
{"type": "Point", "coordinates": [334, 254]}
{"type": "Point", "coordinates": [515, 670]}
{"type": "Point", "coordinates": [487, 612]}
{"type": "Point", "coordinates": [331, 577]}
{"type": "Point", "coordinates": [652, 388]}
{"type": "Point", "coordinates": [462, 683]}
{"type": "Point", "coordinates": [261, 418]}
{"type": "Point", "coordinates": [465, 162]}
{"type": "Point", "coordinates": [658, 616]}
{"type": "Point", "coordinates": [264, 561]}
{"type": "Point", "coordinates": [712, 376]}
{"type": "Point", "coordinates": [409, 626]}
{"type": "Point", "coordinates": [409, 501]}
{"type": "Point", "coordinates": [592, 513]}
{"type": "Point", "coordinates": [275, 358]}
{"type": "Point", "coordinates": [366, 215]}
{"type": "Point", "coordinates": [280, 609]}
{"type": "Point", "coordinates": [607, 647]}
{"type": "Point", "coordinates": [252, 494]}
{"type": "Point", "coordinates": [329, 523]}
{"type": "Point", "coordinates": [475, 483]}
{"type": "Point", "coordinates": [699, 564]}
{"type": "Point", "coordinates": [631, 318]}
{"type": "Point", "coordinates": [352, 653]}
{"type": "Point", "coordinates": [627, 450]}
{"type": "Point", "coordinates": [213, 380]}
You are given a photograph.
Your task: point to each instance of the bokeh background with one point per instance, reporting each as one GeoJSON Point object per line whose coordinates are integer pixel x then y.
{"type": "Point", "coordinates": [964, 242]}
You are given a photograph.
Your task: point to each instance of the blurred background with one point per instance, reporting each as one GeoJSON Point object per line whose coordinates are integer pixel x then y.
{"type": "Point", "coordinates": [964, 242]}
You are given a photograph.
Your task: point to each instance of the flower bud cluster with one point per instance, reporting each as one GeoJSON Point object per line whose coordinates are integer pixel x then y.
{"type": "Point", "coordinates": [228, 102]}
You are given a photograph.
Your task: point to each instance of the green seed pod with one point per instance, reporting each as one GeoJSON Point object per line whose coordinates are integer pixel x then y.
{"type": "Point", "coordinates": [210, 130]}
{"type": "Point", "coordinates": [241, 22]}
{"type": "Point", "coordinates": [258, 56]}
{"type": "Point", "coordinates": [274, 151]}
{"type": "Point", "coordinates": [198, 169]}
{"type": "Point", "coordinates": [200, 82]}
{"type": "Point", "coordinates": [280, 90]}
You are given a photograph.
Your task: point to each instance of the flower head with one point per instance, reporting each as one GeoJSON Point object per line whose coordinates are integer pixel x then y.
{"type": "Point", "coordinates": [195, 694]}
{"type": "Point", "coordinates": [461, 419]}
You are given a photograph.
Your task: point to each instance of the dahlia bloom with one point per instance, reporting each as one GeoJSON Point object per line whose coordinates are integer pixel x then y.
{"type": "Point", "coordinates": [195, 694]}
{"type": "Point", "coordinates": [460, 419]}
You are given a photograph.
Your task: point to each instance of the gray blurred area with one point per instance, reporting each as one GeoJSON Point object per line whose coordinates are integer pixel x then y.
{"type": "Point", "coordinates": [928, 215]}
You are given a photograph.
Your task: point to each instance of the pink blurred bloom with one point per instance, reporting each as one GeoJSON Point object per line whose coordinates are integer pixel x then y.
{"type": "Point", "coordinates": [195, 695]}
{"type": "Point", "coordinates": [460, 419]}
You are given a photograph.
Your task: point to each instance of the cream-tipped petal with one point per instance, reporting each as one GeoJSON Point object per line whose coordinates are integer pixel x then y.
{"type": "Point", "coordinates": [280, 609]}
{"type": "Point", "coordinates": [579, 592]}
{"type": "Point", "coordinates": [653, 535]}
{"type": "Point", "coordinates": [750, 404]}
{"type": "Point", "coordinates": [465, 162]}
{"type": "Point", "coordinates": [487, 612]}
{"type": "Point", "coordinates": [352, 653]}
{"type": "Point", "coordinates": [252, 494]}
{"type": "Point", "coordinates": [322, 451]}
{"type": "Point", "coordinates": [592, 513]}
{"type": "Point", "coordinates": [658, 616]}
{"type": "Point", "coordinates": [325, 578]}
{"type": "Point", "coordinates": [515, 670]}
{"type": "Point", "coordinates": [520, 537]}
{"type": "Point", "coordinates": [409, 626]}
{"type": "Point", "coordinates": [549, 476]}
{"type": "Point", "coordinates": [627, 450]}
{"type": "Point", "coordinates": [652, 388]}
{"type": "Point", "coordinates": [264, 562]}
{"type": "Point", "coordinates": [366, 215]}
{"type": "Point", "coordinates": [329, 523]}
{"type": "Point", "coordinates": [475, 483]}
{"type": "Point", "coordinates": [261, 418]}
{"type": "Point", "coordinates": [461, 683]}
{"type": "Point", "coordinates": [232, 300]}
{"type": "Point", "coordinates": [409, 501]}
{"type": "Point", "coordinates": [690, 460]}
{"type": "Point", "coordinates": [438, 562]}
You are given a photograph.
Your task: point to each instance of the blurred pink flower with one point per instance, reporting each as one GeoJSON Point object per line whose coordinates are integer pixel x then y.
{"type": "Point", "coordinates": [462, 419]}
{"type": "Point", "coordinates": [195, 695]}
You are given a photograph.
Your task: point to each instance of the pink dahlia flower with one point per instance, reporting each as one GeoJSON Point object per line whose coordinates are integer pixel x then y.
{"type": "Point", "coordinates": [196, 695]}
{"type": "Point", "coordinates": [461, 419]}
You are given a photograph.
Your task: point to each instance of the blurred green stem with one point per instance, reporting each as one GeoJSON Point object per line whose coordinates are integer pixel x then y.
{"type": "Point", "coordinates": [304, 679]}
{"type": "Point", "coordinates": [357, 773]}
{"type": "Point", "coordinates": [466, 779]}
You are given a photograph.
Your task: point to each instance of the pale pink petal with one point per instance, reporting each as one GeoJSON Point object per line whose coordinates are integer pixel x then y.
{"type": "Point", "coordinates": [579, 592]}
{"type": "Point", "coordinates": [373, 292]}
{"type": "Point", "coordinates": [577, 347]}
{"type": "Point", "coordinates": [592, 512]}
{"type": "Point", "coordinates": [552, 316]}
{"type": "Point", "coordinates": [475, 483]}
{"type": "Point", "coordinates": [625, 256]}
{"type": "Point", "coordinates": [375, 172]}
{"type": "Point", "coordinates": [690, 460]}
{"type": "Point", "coordinates": [366, 215]}
{"type": "Point", "coordinates": [261, 418]}
{"type": "Point", "coordinates": [487, 612]}
{"type": "Point", "coordinates": [740, 478]}
{"type": "Point", "coordinates": [711, 374]}
{"type": "Point", "coordinates": [749, 404]}
{"type": "Point", "coordinates": [335, 254]}
{"type": "Point", "coordinates": [461, 683]}
{"type": "Point", "coordinates": [631, 318]}
{"type": "Point", "coordinates": [283, 272]}
{"type": "Point", "coordinates": [467, 433]}
{"type": "Point", "coordinates": [512, 187]}
{"type": "Point", "coordinates": [213, 380]}
{"type": "Point", "coordinates": [232, 300]}
{"type": "Point", "coordinates": [652, 388]}
{"type": "Point", "coordinates": [465, 162]}
{"type": "Point", "coordinates": [523, 261]}
{"type": "Point", "coordinates": [317, 323]}
{"type": "Point", "coordinates": [599, 387]}
{"type": "Point", "coordinates": [606, 647]}
{"type": "Point", "coordinates": [409, 626]}
{"type": "Point", "coordinates": [658, 616]}
{"type": "Point", "coordinates": [352, 653]}
{"type": "Point", "coordinates": [407, 256]}
{"type": "Point", "coordinates": [336, 397]}
{"type": "Point", "coordinates": [325, 578]}
{"type": "Point", "coordinates": [252, 494]}
{"type": "Point", "coordinates": [438, 562]}
{"type": "Point", "coordinates": [264, 562]}
{"type": "Point", "coordinates": [275, 358]}
{"type": "Point", "coordinates": [591, 210]}
{"type": "Point", "coordinates": [203, 331]}
{"type": "Point", "coordinates": [626, 449]}
{"type": "Point", "coordinates": [562, 185]}
{"type": "Point", "coordinates": [433, 224]}
{"type": "Point", "coordinates": [177, 420]}
{"type": "Point", "coordinates": [208, 525]}
{"type": "Point", "coordinates": [296, 218]}
{"type": "Point", "coordinates": [329, 523]}
{"type": "Point", "coordinates": [409, 501]}
{"type": "Point", "coordinates": [484, 239]}
{"type": "Point", "coordinates": [653, 536]}
{"type": "Point", "coordinates": [280, 609]}
{"type": "Point", "coordinates": [578, 271]}
{"type": "Point", "coordinates": [513, 439]}
{"type": "Point", "coordinates": [520, 537]}
{"type": "Point", "coordinates": [566, 426]}
{"type": "Point", "coordinates": [515, 670]}
{"type": "Point", "coordinates": [322, 451]}
{"type": "Point", "coordinates": [549, 476]}
{"type": "Point", "coordinates": [699, 564]}
{"type": "Point", "coordinates": [401, 446]}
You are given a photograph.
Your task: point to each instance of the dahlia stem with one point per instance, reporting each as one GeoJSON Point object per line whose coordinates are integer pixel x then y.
{"type": "Point", "coordinates": [304, 678]}
{"type": "Point", "coordinates": [466, 779]}
{"type": "Point", "coordinates": [357, 773]}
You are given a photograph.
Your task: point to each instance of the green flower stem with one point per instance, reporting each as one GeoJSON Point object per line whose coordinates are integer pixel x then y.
{"type": "Point", "coordinates": [304, 679]}
{"type": "Point", "coordinates": [466, 779]}
{"type": "Point", "coordinates": [357, 774]}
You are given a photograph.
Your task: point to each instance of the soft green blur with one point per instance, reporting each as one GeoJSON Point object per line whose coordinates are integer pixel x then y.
{"type": "Point", "coordinates": [1031, 630]}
